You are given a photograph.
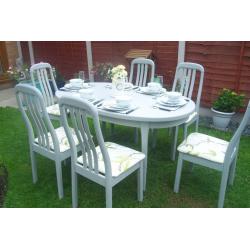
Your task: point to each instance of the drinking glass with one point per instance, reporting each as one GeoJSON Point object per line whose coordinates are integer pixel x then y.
{"type": "Point", "coordinates": [81, 75]}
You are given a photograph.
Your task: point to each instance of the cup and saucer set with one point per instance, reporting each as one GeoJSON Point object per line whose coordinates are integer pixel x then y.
{"type": "Point", "coordinates": [120, 104]}
{"type": "Point", "coordinates": [171, 101]}
{"type": "Point", "coordinates": [153, 88]}
{"type": "Point", "coordinates": [76, 84]}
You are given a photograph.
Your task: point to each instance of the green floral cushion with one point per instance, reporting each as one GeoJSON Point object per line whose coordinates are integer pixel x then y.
{"type": "Point", "coordinates": [204, 146]}
{"type": "Point", "coordinates": [53, 110]}
{"type": "Point", "coordinates": [62, 138]}
{"type": "Point", "coordinates": [122, 158]}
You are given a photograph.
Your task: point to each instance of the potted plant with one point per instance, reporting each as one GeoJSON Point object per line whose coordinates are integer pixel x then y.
{"type": "Point", "coordinates": [225, 106]}
{"type": "Point", "coordinates": [19, 74]}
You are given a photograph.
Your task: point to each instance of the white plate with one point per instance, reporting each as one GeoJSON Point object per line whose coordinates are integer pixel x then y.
{"type": "Point", "coordinates": [113, 106]}
{"type": "Point", "coordinates": [69, 86]}
{"type": "Point", "coordinates": [164, 101]}
{"type": "Point", "coordinates": [128, 86]}
{"type": "Point", "coordinates": [147, 91]}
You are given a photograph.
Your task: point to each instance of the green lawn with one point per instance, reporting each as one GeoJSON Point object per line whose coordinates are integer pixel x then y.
{"type": "Point", "coordinates": [199, 188]}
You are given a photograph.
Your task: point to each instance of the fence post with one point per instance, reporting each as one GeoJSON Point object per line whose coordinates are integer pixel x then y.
{"type": "Point", "coordinates": [181, 51]}
{"type": "Point", "coordinates": [238, 73]}
{"type": "Point", "coordinates": [89, 60]}
{"type": "Point", "coordinates": [31, 51]}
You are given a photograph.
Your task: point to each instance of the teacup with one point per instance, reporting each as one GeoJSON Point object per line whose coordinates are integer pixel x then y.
{"type": "Point", "coordinates": [154, 86]}
{"type": "Point", "coordinates": [174, 96]}
{"type": "Point", "coordinates": [122, 100]}
{"type": "Point", "coordinates": [86, 93]}
{"type": "Point", "coordinates": [77, 82]}
{"type": "Point", "coordinates": [85, 85]}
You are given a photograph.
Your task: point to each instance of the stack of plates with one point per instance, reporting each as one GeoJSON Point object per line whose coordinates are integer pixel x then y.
{"type": "Point", "coordinates": [164, 100]}
{"type": "Point", "coordinates": [112, 106]}
{"type": "Point", "coordinates": [69, 86]}
{"type": "Point", "coordinates": [150, 91]}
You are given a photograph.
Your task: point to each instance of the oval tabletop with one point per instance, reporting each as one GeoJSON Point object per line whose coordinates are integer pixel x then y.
{"type": "Point", "coordinates": [145, 103]}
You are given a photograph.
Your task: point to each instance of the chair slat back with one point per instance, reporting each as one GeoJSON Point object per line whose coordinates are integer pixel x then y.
{"type": "Point", "coordinates": [142, 65]}
{"type": "Point", "coordinates": [31, 105]}
{"type": "Point", "coordinates": [235, 140]}
{"type": "Point", "coordinates": [44, 74]}
{"type": "Point", "coordinates": [185, 76]}
{"type": "Point", "coordinates": [79, 111]}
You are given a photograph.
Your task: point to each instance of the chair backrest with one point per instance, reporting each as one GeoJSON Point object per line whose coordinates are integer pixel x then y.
{"type": "Point", "coordinates": [185, 77]}
{"type": "Point", "coordinates": [234, 142]}
{"type": "Point", "coordinates": [142, 71]}
{"type": "Point", "coordinates": [79, 110]}
{"type": "Point", "coordinates": [44, 74]}
{"type": "Point", "coordinates": [34, 113]}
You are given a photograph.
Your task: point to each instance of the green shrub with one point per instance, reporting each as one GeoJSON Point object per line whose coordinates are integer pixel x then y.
{"type": "Point", "coordinates": [228, 101]}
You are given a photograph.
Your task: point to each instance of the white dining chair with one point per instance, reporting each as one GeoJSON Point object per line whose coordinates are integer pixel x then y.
{"type": "Point", "coordinates": [44, 139]}
{"type": "Point", "coordinates": [213, 153]}
{"type": "Point", "coordinates": [105, 164]}
{"type": "Point", "coordinates": [186, 76]}
{"type": "Point", "coordinates": [42, 72]}
{"type": "Point", "coordinates": [145, 71]}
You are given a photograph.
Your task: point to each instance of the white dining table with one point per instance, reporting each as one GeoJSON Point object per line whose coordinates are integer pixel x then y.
{"type": "Point", "coordinates": [145, 117]}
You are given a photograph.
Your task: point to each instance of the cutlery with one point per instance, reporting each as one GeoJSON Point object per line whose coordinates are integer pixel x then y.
{"type": "Point", "coordinates": [97, 101]}
{"type": "Point", "coordinates": [118, 111]}
{"type": "Point", "coordinates": [166, 108]}
{"type": "Point", "coordinates": [68, 90]}
{"type": "Point", "coordinates": [99, 104]}
{"type": "Point", "coordinates": [129, 111]}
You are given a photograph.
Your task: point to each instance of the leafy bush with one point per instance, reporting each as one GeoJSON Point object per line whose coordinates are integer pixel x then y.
{"type": "Point", "coordinates": [228, 101]}
{"type": "Point", "coordinates": [19, 73]}
{"type": "Point", "coordinates": [102, 71]}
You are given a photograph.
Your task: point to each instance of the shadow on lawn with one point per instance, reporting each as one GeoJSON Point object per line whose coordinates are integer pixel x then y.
{"type": "Point", "coordinates": [3, 183]}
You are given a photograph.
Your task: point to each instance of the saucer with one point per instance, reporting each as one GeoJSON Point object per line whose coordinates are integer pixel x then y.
{"type": "Point", "coordinates": [149, 91]}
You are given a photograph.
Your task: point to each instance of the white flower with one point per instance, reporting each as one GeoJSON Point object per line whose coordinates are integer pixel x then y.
{"type": "Point", "coordinates": [118, 72]}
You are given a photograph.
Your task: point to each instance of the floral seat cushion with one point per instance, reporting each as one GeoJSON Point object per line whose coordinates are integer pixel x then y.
{"type": "Point", "coordinates": [122, 158]}
{"type": "Point", "coordinates": [204, 146]}
{"type": "Point", "coordinates": [62, 138]}
{"type": "Point", "coordinates": [53, 110]}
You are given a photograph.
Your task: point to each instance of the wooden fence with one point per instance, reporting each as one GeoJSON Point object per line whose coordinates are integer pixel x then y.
{"type": "Point", "coordinates": [227, 64]}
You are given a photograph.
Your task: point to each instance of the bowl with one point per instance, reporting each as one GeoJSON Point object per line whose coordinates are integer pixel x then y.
{"type": "Point", "coordinates": [174, 96]}
{"type": "Point", "coordinates": [85, 85]}
{"type": "Point", "coordinates": [77, 82]}
{"type": "Point", "coordinates": [154, 86]}
{"type": "Point", "coordinates": [122, 100]}
{"type": "Point", "coordinates": [86, 93]}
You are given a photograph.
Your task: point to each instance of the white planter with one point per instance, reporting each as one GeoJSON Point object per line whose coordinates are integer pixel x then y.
{"type": "Point", "coordinates": [221, 119]}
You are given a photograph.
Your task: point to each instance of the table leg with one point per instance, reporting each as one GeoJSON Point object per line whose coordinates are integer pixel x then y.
{"type": "Point", "coordinates": [144, 148]}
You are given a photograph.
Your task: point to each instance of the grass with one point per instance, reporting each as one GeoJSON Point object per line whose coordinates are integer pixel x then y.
{"type": "Point", "coordinates": [199, 188]}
